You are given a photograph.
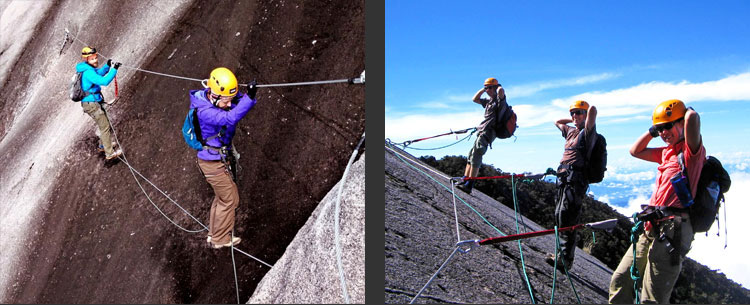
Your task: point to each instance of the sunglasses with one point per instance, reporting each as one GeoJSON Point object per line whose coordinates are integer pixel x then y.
{"type": "Point", "coordinates": [575, 112]}
{"type": "Point", "coordinates": [489, 87]}
{"type": "Point", "coordinates": [665, 126]}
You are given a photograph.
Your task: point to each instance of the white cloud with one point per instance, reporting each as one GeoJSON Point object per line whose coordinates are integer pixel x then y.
{"type": "Point", "coordinates": [531, 89]}
{"type": "Point", "coordinates": [642, 98]}
{"type": "Point", "coordinates": [449, 102]}
{"type": "Point", "coordinates": [634, 205]}
{"type": "Point", "coordinates": [631, 177]}
{"type": "Point", "coordinates": [409, 127]}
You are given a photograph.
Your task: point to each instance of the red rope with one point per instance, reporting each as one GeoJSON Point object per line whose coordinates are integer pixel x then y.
{"type": "Point", "coordinates": [117, 89]}
{"type": "Point", "coordinates": [499, 239]}
{"type": "Point", "coordinates": [494, 177]}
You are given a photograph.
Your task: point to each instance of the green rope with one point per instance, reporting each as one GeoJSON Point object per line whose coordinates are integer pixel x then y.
{"type": "Point", "coordinates": [520, 249]}
{"type": "Point", "coordinates": [449, 145]}
{"type": "Point", "coordinates": [569, 279]}
{"type": "Point", "coordinates": [634, 274]}
{"type": "Point", "coordinates": [554, 270]}
{"type": "Point", "coordinates": [454, 194]}
{"type": "Point", "coordinates": [593, 237]}
{"type": "Point", "coordinates": [557, 250]}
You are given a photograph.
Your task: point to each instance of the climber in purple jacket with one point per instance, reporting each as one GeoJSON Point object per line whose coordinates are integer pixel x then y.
{"type": "Point", "coordinates": [219, 108]}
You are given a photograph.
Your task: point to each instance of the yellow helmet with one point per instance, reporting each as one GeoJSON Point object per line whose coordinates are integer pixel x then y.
{"type": "Point", "coordinates": [580, 104]}
{"type": "Point", "coordinates": [222, 82]}
{"type": "Point", "coordinates": [87, 51]}
{"type": "Point", "coordinates": [490, 82]}
{"type": "Point", "coordinates": [669, 111]}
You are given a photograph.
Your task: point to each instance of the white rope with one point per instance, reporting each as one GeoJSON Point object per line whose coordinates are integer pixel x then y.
{"type": "Point", "coordinates": [455, 211]}
{"type": "Point", "coordinates": [236, 285]}
{"type": "Point", "coordinates": [434, 275]}
{"type": "Point", "coordinates": [420, 164]}
{"type": "Point", "coordinates": [336, 222]}
{"type": "Point", "coordinates": [114, 133]}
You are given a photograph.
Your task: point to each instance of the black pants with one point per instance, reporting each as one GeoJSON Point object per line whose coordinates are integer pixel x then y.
{"type": "Point", "coordinates": [567, 213]}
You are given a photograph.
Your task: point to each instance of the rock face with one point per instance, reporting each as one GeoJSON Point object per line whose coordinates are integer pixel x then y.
{"type": "Point", "coordinates": [420, 234]}
{"type": "Point", "coordinates": [308, 271]}
{"type": "Point", "coordinates": [77, 229]}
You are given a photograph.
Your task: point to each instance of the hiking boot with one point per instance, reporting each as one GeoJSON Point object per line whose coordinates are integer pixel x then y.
{"type": "Point", "coordinates": [550, 259]}
{"type": "Point", "coordinates": [115, 154]}
{"type": "Point", "coordinates": [234, 242]}
{"type": "Point", "coordinates": [100, 148]}
{"type": "Point", "coordinates": [466, 187]}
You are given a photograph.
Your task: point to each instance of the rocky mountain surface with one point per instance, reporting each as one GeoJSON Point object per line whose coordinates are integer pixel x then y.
{"type": "Point", "coordinates": [308, 271]}
{"type": "Point", "coordinates": [77, 229]}
{"type": "Point", "coordinates": [420, 235]}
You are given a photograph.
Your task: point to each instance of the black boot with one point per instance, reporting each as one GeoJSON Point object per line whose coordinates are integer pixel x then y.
{"type": "Point", "coordinates": [466, 187]}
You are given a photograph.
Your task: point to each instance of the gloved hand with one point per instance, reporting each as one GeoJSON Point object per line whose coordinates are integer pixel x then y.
{"type": "Point", "coordinates": [117, 65]}
{"type": "Point", "coordinates": [252, 89]}
{"type": "Point", "coordinates": [652, 131]}
{"type": "Point", "coordinates": [109, 62]}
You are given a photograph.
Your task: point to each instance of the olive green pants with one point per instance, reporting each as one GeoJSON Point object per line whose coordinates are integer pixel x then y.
{"type": "Point", "coordinates": [653, 263]}
{"type": "Point", "coordinates": [226, 199]}
{"type": "Point", "coordinates": [96, 112]}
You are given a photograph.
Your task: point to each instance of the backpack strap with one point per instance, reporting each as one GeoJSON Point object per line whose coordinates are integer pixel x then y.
{"type": "Point", "coordinates": [581, 145]}
{"type": "Point", "coordinates": [681, 161]}
{"type": "Point", "coordinates": [199, 135]}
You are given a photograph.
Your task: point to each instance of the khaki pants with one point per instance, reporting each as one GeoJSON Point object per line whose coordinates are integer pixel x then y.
{"type": "Point", "coordinates": [484, 140]}
{"type": "Point", "coordinates": [96, 112]}
{"type": "Point", "coordinates": [653, 263]}
{"type": "Point", "coordinates": [226, 199]}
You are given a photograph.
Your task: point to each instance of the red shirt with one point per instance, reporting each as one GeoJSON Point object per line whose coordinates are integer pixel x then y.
{"type": "Point", "coordinates": [669, 166]}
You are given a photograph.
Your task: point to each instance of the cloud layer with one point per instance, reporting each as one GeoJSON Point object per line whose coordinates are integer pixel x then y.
{"type": "Point", "coordinates": [614, 106]}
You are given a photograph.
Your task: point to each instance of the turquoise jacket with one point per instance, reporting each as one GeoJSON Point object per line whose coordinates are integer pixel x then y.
{"type": "Point", "coordinates": [92, 80]}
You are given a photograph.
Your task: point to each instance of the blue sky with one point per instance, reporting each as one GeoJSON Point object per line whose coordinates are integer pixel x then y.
{"type": "Point", "coordinates": [623, 57]}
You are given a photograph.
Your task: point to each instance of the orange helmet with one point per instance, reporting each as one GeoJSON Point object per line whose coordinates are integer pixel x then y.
{"type": "Point", "coordinates": [490, 82]}
{"type": "Point", "coordinates": [87, 51]}
{"type": "Point", "coordinates": [669, 111]}
{"type": "Point", "coordinates": [580, 104]}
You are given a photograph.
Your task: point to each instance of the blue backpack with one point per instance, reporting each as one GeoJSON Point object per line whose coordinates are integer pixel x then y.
{"type": "Point", "coordinates": [191, 130]}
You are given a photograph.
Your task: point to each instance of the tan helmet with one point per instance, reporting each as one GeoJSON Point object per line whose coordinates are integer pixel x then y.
{"type": "Point", "coordinates": [669, 111]}
{"type": "Point", "coordinates": [87, 51]}
{"type": "Point", "coordinates": [580, 104]}
{"type": "Point", "coordinates": [490, 82]}
{"type": "Point", "coordinates": [222, 82]}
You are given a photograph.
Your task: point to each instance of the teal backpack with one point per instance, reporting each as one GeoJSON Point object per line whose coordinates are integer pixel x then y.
{"type": "Point", "coordinates": [191, 130]}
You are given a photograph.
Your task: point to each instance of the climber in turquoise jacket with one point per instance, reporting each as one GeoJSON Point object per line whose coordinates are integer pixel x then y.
{"type": "Point", "coordinates": [92, 79]}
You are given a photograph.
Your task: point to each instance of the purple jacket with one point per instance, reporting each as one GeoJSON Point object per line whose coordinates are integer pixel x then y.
{"type": "Point", "coordinates": [212, 119]}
